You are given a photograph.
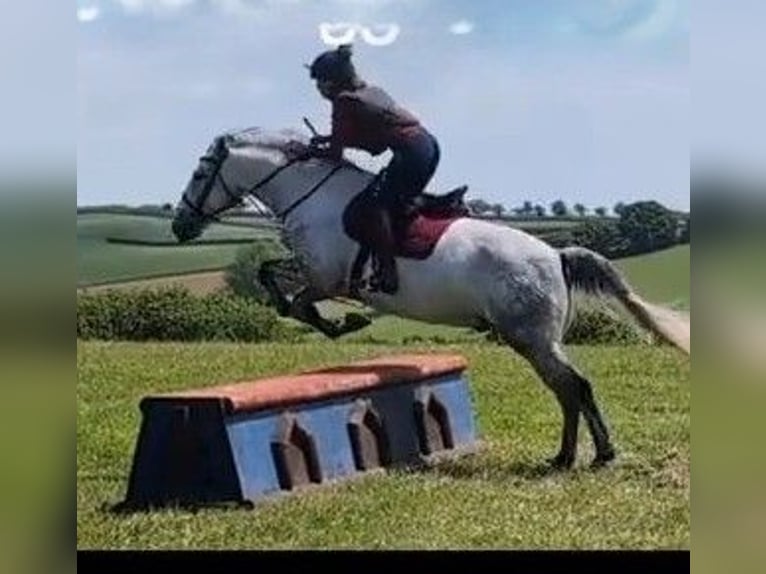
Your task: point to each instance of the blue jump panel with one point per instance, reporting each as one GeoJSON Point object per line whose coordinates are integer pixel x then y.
{"type": "Point", "coordinates": [198, 451]}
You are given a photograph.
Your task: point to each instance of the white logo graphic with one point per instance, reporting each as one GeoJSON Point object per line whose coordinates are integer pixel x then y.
{"type": "Point", "coordinates": [337, 33]}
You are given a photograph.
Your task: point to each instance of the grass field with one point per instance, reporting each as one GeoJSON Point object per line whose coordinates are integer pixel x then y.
{"type": "Point", "coordinates": [499, 498]}
{"type": "Point", "coordinates": [99, 261]}
{"type": "Point", "coordinates": [663, 276]}
{"type": "Point", "coordinates": [198, 283]}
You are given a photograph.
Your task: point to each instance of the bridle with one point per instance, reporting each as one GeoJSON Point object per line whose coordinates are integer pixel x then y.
{"type": "Point", "coordinates": [219, 157]}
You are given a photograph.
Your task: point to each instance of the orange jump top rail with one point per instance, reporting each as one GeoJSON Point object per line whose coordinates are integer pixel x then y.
{"type": "Point", "coordinates": [324, 383]}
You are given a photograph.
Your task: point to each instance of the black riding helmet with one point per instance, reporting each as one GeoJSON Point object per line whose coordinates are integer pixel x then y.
{"type": "Point", "coordinates": [334, 65]}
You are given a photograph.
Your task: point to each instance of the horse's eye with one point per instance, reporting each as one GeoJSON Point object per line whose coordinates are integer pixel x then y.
{"type": "Point", "coordinates": [198, 175]}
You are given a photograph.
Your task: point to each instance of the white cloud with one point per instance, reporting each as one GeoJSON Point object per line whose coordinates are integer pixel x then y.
{"type": "Point", "coordinates": [138, 6]}
{"type": "Point", "coordinates": [88, 13]}
{"type": "Point", "coordinates": [461, 27]}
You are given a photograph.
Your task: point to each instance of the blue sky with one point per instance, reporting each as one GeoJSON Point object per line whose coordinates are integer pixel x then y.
{"type": "Point", "coordinates": [582, 100]}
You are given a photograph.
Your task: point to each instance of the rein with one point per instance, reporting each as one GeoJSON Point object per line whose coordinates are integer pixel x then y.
{"type": "Point", "coordinates": [250, 192]}
{"type": "Point", "coordinates": [310, 192]}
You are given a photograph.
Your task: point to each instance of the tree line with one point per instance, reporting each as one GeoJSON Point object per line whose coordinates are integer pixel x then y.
{"type": "Point", "coordinates": [558, 208]}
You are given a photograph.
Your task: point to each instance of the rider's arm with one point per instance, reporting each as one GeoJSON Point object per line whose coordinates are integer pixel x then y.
{"type": "Point", "coordinates": [344, 127]}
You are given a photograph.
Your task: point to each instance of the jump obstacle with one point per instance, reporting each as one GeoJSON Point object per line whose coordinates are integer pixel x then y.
{"type": "Point", "coordinates": [243, 442]}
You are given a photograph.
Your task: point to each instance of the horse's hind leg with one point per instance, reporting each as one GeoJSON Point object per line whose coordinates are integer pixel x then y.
{"type": "Point", "coordinates": [598, 430]}
{"type": "Point", "coordinates": [303, 308]}
{"type": "Point", "coordinates": [574, 393]}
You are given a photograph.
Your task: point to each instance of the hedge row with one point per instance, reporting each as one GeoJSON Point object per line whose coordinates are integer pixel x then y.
{"type": "Point", "coordinates": [599, 327]}
{"type": "Point", "coordinates": [593, 326]}
{"type": "Point", "coordinates": [174, 314]}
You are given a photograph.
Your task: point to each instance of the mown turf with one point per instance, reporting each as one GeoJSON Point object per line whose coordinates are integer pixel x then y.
{"type": "Point", "coordinates": [499, 498]}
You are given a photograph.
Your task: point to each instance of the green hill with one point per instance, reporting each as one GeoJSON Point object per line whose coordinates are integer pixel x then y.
{"type": "Point", "coordinates": [663, 276]}
{"type": "Point", "coordinates": [102, 261]}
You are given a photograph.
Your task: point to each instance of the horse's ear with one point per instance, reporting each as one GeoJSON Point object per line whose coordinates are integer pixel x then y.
{"type": "Point", "coordinates": [345, 50]}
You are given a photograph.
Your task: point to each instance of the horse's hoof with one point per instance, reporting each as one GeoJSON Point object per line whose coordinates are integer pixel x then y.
{"type": "Point", "coordinates": [283, 309]}
{"type": "Point", "coordinates": [561, 462]}
{"type": "Point", "coordinates": [603, 459]}
{"type": "Point", "coordinates": [356, 321]}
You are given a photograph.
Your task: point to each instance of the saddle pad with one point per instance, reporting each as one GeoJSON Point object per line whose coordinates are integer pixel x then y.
{"type": "Point", "coordinates": [416, 239]}
{"type": "Point", "coordinates": [422, 234]}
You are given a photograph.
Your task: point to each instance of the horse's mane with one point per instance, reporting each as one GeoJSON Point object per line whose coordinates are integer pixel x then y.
{"type": "Point", "coordinates": [278, 140]}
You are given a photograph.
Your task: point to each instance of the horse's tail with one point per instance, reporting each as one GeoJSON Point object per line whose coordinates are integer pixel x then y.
{"type": "Point", "coordinates": [588, 271]}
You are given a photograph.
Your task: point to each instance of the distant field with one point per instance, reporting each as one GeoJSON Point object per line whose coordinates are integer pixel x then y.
{"type": "Point", "coordinates": [99, 261]}
{"type": "Point", "coordinates": [663, 276]}
{"type": "Point", "coordinates": [197, 283]}
{"type": "Point", "coordinates": [102, 261]}
{"type": "Point", "coordinates": [135, 227]}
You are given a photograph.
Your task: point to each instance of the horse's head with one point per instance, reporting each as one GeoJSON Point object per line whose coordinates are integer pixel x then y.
{"type": "Point", "coordinates": [201, 201]}
{"type": "Point", "coordinates": [234, 165]}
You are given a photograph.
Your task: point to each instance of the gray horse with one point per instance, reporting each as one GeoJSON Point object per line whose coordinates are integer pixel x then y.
{"type": "Point", "coordinates": [480, 274]}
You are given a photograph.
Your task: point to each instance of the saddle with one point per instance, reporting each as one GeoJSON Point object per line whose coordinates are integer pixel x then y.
{"type": "Point", "coordinates": [417, 228]}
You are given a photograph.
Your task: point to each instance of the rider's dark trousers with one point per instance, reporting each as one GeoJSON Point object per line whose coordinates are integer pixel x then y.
{"type": "Point", "coordinates": [411, 168]}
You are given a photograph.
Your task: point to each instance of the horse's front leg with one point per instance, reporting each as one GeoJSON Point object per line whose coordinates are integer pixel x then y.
{"type": "Point", "coordinates": [303, 308]}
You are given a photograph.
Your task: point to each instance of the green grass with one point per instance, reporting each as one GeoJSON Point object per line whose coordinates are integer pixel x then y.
{"type": "Point", "coordinates": [736, 265]}
{"type": "Point", "coordinates": [661, 277]}
{"type": "Point", "coordinates": [101, 262]}
{"type": "Point", "coordinates": [498, 498]}
{"type": "Point", "coordinates": [146, 228]}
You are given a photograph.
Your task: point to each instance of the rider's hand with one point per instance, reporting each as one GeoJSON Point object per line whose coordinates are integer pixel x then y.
{"type": "Point", "coordinates": [319, 141]}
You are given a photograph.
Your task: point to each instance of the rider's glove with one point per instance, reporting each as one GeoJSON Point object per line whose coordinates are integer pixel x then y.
{"type": "Point", "coordinates": [320, 142]}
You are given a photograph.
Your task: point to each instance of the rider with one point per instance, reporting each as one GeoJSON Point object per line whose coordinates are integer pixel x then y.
{"type": "Point", "coordinates": [366, 117]}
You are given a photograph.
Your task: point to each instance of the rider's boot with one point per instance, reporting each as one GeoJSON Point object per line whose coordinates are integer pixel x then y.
{"type": "Point", "coordinates": [386, 279]}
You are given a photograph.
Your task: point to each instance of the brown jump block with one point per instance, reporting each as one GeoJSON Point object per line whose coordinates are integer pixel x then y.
{"type": "Point", "coordinates": [325, 383]}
